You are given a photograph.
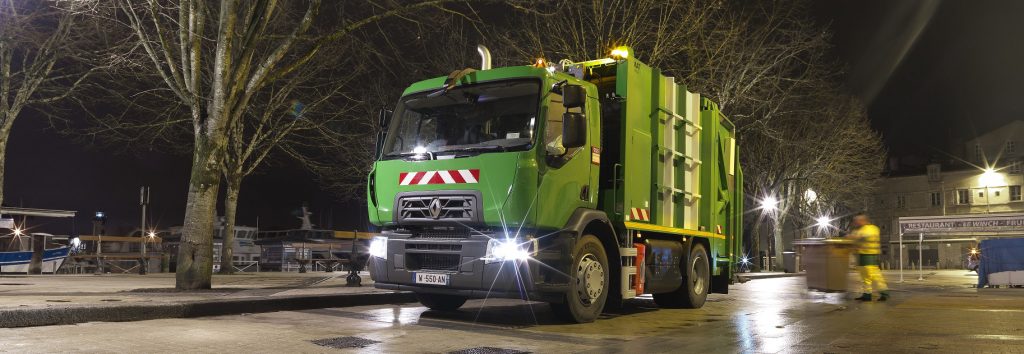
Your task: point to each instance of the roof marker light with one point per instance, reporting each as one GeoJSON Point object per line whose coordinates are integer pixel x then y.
{"type": "Point", "coordinates": [620, 53]}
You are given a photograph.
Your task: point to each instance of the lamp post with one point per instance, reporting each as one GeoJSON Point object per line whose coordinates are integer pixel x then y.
{"type": "Point", "coordinates": [770, 205]}
{"type": "Point", "coordinates": [143, 201]}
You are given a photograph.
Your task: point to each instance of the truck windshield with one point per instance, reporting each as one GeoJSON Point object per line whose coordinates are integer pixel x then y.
{"type": "Point", "coordinates": [494, 116]}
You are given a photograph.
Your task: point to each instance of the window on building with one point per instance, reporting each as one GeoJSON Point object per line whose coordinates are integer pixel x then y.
{"type": "Point", "coordinates": [901, 202]}
{"type": "Point", "coordinates": [934, 172]}
{"type": "Point", "coordinates": [1011, 147]}
{"type": "Point", "coordinates": [1014, 193]}
{"type": "Point", "coordinates": [963, 196]}
{"type": "Point", "coordinates": [981, 194]}
{"type": "Point", "coordinates": [1016, 167]}
{"type": "Point", "coordinates": [936, 198]}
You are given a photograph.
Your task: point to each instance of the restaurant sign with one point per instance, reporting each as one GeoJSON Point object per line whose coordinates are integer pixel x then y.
{"type": "Point", "coordinates": [963, 223]}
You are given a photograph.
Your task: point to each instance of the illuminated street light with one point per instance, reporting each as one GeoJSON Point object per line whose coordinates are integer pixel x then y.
{"type": "Point", "coordinates": [991, 178]}
{"type": "Point", "coordinates": [810, 195]}
{"type": "Point", "coordinates": [17, 232]}
{"type": "Point", "coordinates": [151, 234]}
{"type": "Point", "coordinates": [769, 203]}
{"type": "Point", "coordinates": [824, 221]}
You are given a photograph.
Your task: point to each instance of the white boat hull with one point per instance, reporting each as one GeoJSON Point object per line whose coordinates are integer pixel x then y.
{"type": "Point", "coordinates": [18, 262]}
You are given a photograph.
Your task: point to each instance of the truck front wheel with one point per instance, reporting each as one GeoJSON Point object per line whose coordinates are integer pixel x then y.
{"type": "Point", "coordinates": [696, 282]}
{"type": "Point", "coordinates": [440, 302]}
{"type": "Point", "coordinates": [588, 286]}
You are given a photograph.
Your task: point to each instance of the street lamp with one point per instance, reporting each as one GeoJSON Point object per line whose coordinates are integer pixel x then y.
{"type": "Point", "coordinates": [810, 196]}
{"type": "Point", "coordinates": [990, 178]}
{"type": "Point", "coordinates": [769, 203]}
{"type": "Point", "coordinates": [823, 222]}
{"type": "Point", "coordinates": [17, 231]}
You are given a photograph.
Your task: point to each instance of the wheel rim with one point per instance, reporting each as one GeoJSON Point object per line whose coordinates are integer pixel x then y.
{"type": "Point", "coordinates": [589, 279]}
{"type": "Point", "coordinates": [699, 274]}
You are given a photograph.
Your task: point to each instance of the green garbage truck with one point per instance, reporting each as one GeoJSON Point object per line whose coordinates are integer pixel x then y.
{"type": "Point", "coordinates": [579, 184]}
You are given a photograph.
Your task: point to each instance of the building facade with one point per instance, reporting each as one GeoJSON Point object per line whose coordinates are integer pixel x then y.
{"type": "Point", "coordinates": [987, 180]}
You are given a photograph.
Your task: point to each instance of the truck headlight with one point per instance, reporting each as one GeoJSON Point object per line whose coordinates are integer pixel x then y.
{"type": "Point", "coordinates": [379, 247]}
{"type": "Point", "coordinates": [506, 250]}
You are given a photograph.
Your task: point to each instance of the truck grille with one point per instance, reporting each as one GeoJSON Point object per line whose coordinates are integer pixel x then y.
{"type": "Point", "coordinates": [429, 208]}
{"type": "Point", "coordinates": [453, 233]}
{"type": "Point", "coordinates": [427, 261]}
{"type": "Point", "coordinates": [432, 247]}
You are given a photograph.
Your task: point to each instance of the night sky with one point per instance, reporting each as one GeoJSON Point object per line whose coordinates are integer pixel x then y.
{"type": "Point", "coordinates": [931, 73]}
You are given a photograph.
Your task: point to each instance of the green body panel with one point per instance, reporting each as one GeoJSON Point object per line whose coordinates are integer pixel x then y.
{"type": "Point", "coordinates": [661, 139]}
{"type": "Point", "coordinates": [633, 82]}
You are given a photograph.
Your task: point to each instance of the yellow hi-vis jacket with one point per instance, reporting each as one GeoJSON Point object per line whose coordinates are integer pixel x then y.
{"type": "Point", "coordinates": [868, 240]}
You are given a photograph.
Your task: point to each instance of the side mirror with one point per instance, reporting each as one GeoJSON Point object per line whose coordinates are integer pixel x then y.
{"type": "Point", "coordinates": [574, 130]}
{"type": "Point", "coordinates": [573, 96]}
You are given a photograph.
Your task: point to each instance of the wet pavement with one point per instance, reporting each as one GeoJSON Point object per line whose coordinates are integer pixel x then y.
{"type": "Point", "coordinates": [943, 313]}
{"type": "Point", "coordinates": [20, 291]}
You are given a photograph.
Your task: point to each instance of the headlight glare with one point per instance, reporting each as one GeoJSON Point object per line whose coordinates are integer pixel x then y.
{"type": "Point", "coordinates": [379, 247]}
{"type": "Point", "coordinates": [506, 250]}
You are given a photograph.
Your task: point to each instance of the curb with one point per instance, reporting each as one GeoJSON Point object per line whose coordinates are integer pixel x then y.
{"type": "Point", "coordinates": [770, 276]}
{"type": "Point", "coordinates": [51, 316]}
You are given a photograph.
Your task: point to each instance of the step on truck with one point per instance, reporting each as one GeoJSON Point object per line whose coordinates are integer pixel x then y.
{"type": "Point", "coordinates": [580, 184]}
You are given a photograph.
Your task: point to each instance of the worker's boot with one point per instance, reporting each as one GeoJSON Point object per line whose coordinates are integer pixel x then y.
{"type": "Point", "coordinates": [864, 297]}
{"type": "Point", "coordinates": [883, 296]}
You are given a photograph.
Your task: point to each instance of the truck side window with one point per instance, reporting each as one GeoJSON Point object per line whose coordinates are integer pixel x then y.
{"type": "Point", "coordinates": [553, 126]}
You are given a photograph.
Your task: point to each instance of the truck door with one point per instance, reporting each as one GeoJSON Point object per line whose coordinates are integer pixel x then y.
{"type": "Point", "coordinates": [565, 178]}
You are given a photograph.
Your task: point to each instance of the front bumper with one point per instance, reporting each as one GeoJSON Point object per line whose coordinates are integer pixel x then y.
{"type": "Point", "coordinates": [542, 277]}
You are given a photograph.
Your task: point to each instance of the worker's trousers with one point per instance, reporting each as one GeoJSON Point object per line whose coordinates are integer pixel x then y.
{"type": "Point", "coordinates": [871, 274]}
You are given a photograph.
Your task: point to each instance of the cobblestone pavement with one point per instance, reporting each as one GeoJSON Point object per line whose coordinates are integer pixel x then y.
{"type": "Point", "coordinates": [940, 314]}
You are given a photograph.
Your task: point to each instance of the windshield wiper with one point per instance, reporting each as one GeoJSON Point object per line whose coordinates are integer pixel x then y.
{"type": "Point", "coordinates": [428, 154]}
{"type": "Point", "coordinates": [478, 148]}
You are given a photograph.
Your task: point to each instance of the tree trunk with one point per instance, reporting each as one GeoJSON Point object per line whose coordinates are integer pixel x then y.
{"type": "Point", "coordinates": [777, 235]}
{"type": "Point", "coordinates": [227, 249]}
{"type": "Point", "coordinates": [3, 161]}
{"type": "Point", "coordinates": [195, 252]}
{"type": "Point", "coordinates": [755, 244]}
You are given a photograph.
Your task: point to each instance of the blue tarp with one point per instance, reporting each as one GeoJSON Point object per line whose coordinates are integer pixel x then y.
{"type": "Point", "coordinates": [1000, 255]}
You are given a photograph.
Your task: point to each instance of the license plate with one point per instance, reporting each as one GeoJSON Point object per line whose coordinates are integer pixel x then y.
{"type": "Point", "coordinates": [430, 278]}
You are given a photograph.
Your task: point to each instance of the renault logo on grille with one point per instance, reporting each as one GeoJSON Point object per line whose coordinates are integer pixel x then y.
{"type": "Point", "coordinates": [435, 208]}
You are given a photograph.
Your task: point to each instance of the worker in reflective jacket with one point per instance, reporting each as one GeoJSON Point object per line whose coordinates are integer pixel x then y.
{"type": "Point", "coordinates": [866, 237]}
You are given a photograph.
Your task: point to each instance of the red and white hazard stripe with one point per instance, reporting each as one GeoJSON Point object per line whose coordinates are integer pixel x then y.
{"type": "Point", "coordinates": [439, 177]}
{"type": "Point", "coordinates": [639, 214]}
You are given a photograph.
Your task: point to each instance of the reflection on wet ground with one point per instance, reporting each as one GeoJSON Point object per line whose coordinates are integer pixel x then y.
{"type": "Point", "coordinates": [940, 314]}
{"type": "Point", "coordinates": [770, 315]}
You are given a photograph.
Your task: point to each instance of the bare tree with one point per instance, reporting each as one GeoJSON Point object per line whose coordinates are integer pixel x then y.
{"type": "Point", "coordinates": [306, 109]}
{"type": "Point", "coordinates": [213, 59]}
{"type": "Point", "coordinates": [38, 49]}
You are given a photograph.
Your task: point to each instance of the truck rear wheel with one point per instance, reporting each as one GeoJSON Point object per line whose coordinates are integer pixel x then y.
{"type": "Point", "coordinates": [588, 286]}
{"type": "Point", "coordinates": [440, 302]}
{"type": "Point", "coordinates": [696, 282]}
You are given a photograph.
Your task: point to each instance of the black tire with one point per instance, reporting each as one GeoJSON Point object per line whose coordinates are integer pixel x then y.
{"type": "Point", "coordinates": [588, 285]}
{"type": "Point", "coordinates": [440, 302]}
{"type": "Point", "coordinates": [696, 282]}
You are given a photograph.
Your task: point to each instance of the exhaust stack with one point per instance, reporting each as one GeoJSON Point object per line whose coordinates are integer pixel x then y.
{"type": "Point", "coordinates": [485, 57]}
